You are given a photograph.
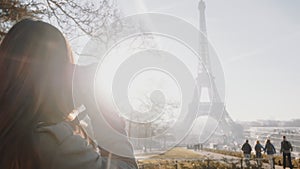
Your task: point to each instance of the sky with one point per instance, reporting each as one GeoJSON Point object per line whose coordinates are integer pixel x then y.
{"type": "Point", "coordinates": [258, 44]}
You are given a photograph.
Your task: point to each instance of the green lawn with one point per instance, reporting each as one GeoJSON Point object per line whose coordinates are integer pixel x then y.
{"type": "Point", "coordinates": [178, 153]}
{"type": "Point", "coordinates": [182, 158]}
{"type": "Point", "coordinates": [179, 158]}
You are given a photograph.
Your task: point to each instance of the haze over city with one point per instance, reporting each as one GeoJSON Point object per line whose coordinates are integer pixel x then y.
{"type": "Point", "coordinates": [257, 44]}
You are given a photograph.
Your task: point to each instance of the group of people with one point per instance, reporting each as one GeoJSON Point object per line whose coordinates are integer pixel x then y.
{"type": "Point", "coordinates": [269, 148]}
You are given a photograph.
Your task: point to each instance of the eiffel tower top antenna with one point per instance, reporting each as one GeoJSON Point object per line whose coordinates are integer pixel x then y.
{"type": "Point", "coordinates": [203, 43]}
{"type": "Point", "coordinates": [201, 7]}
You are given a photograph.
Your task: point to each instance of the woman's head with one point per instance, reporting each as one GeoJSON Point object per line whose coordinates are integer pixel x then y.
{"type": "Point", "coordinates": [36, 62]}
{"type": "Point", "coordinates": [35, 75]}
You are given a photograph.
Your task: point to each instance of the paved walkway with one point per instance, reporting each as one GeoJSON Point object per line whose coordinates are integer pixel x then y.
{"type": "Point", "coordinates": [144, 155]}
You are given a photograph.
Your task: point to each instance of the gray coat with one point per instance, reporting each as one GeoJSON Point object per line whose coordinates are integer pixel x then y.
{"type": "Point", "coordinates": [60, 148]}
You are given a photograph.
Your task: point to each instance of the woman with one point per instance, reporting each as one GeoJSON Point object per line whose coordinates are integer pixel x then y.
{"type": "Point", "coordinates": [258, 148]}
{"type": "Point", "coordinates": [270, 149]}
{"type": "Point", "coordinates": [36, 67]}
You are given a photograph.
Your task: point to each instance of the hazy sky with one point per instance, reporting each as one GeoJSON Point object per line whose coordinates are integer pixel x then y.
{"type": "Point", "coordinates": [258, 44]}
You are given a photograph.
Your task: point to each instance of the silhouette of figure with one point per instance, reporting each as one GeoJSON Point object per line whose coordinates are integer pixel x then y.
{"type": "Point", "coordinates": [246, 148]}
{"type": "Point", "coordinates": [258, 148]}
{"type": "Point", "coordinates": [285, 149]}
{"type": "Point", "coordinates": [270, 149]}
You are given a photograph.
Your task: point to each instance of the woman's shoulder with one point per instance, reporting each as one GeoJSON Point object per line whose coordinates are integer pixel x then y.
{"type": "Point", "coordinates": [56, 132]}
{"type": "Point", "coordinates": [59, 147]}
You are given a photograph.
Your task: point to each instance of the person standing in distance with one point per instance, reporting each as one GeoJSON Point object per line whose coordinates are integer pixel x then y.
{"type": "Point", "coordinates": [286, 148]}
{"type": "Point", "coordinates": [258, 147]}
{"type": "Point", "coordinates": [270, 149]}
{"type": "Point", "coordinates": [246, 148]}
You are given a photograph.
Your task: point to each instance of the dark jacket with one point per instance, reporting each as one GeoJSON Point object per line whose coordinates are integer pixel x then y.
{"type": "Point", "coordinates": [286, 147]}
{"type": "Point", "coordinates": [270, 149]}
{"type": "Point", "coordinates": [258, 147]}
{"type": "Point", "coordinates": [246, 148]}
{"type": "Point", "coordinates": [60, 148]}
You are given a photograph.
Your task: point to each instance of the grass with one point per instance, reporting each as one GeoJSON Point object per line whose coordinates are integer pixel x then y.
{"type": "Point", "coordinates": [169, 159]}
{"type": "Point", "coordinates": [180, 158]}
{"type": "Point", "coordinates": [178, 153]}
{"type": "Point", "coordinates": [226, 152]}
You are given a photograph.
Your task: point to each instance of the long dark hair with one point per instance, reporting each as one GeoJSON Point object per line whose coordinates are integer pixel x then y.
{"type": "Point", "coordinates": [35, 85]}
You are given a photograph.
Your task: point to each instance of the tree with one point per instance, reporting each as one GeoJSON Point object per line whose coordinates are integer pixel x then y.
{"type": "Point", "coordinates": [12, 11]}
{"type": "Point", "coordinates": [74, 17]}
{"type": "Point", "coordinates": [166, 113]}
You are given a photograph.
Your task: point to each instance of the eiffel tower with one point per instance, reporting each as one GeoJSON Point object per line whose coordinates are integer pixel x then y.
{"type": "Point", "coordinates": [213, 105]}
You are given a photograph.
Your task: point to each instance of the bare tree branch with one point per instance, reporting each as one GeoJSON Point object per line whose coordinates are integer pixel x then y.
{"type": "Point", "coordinates": [74, 17]}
